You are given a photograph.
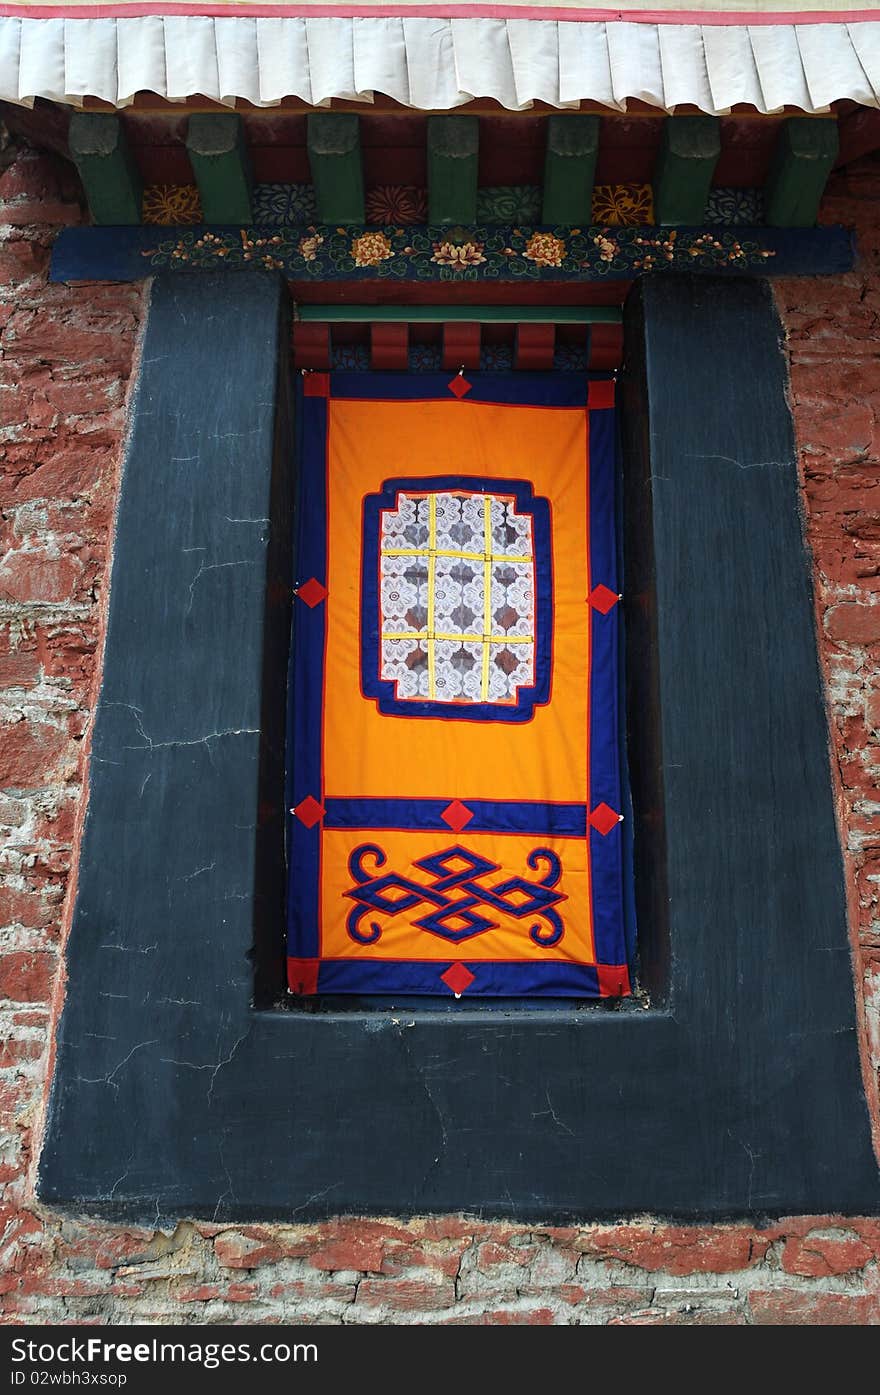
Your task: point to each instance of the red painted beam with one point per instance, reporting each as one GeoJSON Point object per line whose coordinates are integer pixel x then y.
{"type": "Point", "coordinates": [389, 347]}
{"type": "Point", "coordinates": [534, 347]}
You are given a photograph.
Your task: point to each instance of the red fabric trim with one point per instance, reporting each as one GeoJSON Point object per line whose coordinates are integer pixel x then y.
{"type": "Point", "coordinates": [600, 393]}
{"type": "Point", "coordinates": [613, 980]}
{"type": "Point", "coordinates": [316, 385]}
{"type": "Point", "coordinates": [348, 11]}
{"type": "Point", "coordinates": [302, 976]}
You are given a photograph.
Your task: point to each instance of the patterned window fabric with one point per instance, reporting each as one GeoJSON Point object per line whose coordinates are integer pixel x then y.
{"type": "Point", "coordinates": [454, 774]}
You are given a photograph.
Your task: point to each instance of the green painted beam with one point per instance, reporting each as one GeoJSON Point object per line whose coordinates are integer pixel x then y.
{"type": "Point", "coordinates": [569, 169]}
{"type": "Point", "coordinates": [688, 154]}
{"type": "Point", "coordinates": [806, 150]}
{"type": "Point", "coordinates": [449, 314]}
{"type": "Point", "coordinates": [453, 152]}
{"type": "Point", "coordinates": [219, 156]}
{"type": "Point", "coordinates": [334, 145]}
{"type": "Point", "coordinates": [106, 167]}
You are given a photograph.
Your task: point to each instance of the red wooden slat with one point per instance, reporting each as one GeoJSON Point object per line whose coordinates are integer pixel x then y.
{"type": "Point", "coordinates": [606, 346]}
{"type": "Point", "coordinates": [534, 347]}
{"type": "Point", "coordinates": [311, 346]}
{"type": "Point", "coordinates": [461, 346]}
{"type": "Point", "coordinates": [389, 346]}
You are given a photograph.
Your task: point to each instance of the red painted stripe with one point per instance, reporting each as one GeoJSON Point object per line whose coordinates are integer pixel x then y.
{"type": "Point", "coordinates": [347, 11]}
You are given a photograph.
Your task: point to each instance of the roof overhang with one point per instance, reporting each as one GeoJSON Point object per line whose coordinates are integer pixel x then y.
{"type": "Point", "coordinates": [711, 56]}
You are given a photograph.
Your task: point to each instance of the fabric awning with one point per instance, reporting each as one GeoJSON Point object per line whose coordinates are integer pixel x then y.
{"type": "Point", "coordinates": [712, 60]}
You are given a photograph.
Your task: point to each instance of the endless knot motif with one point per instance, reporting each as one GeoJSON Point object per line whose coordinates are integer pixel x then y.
{"type": "Point", "coordinates": [455, 916]}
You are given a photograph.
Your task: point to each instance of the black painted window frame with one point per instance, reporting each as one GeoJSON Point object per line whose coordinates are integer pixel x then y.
{"type": "Point", "coordinates": [737, 1092]}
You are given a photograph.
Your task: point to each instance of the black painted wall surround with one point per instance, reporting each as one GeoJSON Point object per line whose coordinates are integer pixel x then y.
{"type": "Point", "coordinates": [738, 1092]}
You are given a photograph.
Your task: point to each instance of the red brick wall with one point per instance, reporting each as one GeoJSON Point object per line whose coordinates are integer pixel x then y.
{"type": "Point", "coordinates": [69, 354]}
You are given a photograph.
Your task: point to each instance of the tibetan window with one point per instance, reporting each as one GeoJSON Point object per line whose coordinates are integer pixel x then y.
{"type": "Point", "coordinates": [455, 774]}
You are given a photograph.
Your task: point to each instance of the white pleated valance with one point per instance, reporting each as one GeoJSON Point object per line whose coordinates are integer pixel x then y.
{"type": "Point", "coordinates": [437, 64]}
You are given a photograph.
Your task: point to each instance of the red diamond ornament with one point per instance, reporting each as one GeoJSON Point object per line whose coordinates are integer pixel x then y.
{"type": "Point", "coordinates": [312, 592]}
{"type": "Point", "coordinates": [603, 599]}
{"type": "Point", "coordinates": [604, 818]}
{"type": "Point", "coordinates": [457, 815]}
{"type": "Point", "coordinates": [460, 385]}
{"type": "Point", "coordinates": [458, 978]}
{"type": "Point", "coordinates": [309, 811]}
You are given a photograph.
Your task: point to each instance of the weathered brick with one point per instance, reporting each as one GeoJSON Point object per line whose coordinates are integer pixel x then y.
{"type": "Point", "coordinates": [32, 576]}
{"type": "Point", "coordinates": [820, 1254]}
{"type": "Point", "coordinates": [31, 752]}
{"type": "Point", "coordinates": [405, 1295]}
{"type": "Point", "coordinates": [235, 1250]}
{"type": "Point", "coordinates": [673, 1249]}
{"type": "Point", "coordinates": [27, 977]}
{"type": "Point", "coordinates": [852, 623]}
{"type": "Point", "coordinates": [789, 1307]}
{"type": "Point", "coordinates": [366, 1254]}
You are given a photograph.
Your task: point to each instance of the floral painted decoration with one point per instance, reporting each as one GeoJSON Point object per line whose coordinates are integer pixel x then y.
{"type": "Point", "coordinates": [735, 207]}
{"type": "Point", "coordinates": [509, 203]}
{"type": "Point", "coordinates": [371, 248]}
{"type": "Point", "coordinates": [463, 254]}
{"type": "Point", "coordinates": [397, 204]}
{"type": "Point", "coordinates": [458, 254]}
{"type": "Point", "coordinates": [623, 205]}
{"type": "Point", "coordinates": [278, 205]}
{"type": "Point", "coordinates": [171, 205]}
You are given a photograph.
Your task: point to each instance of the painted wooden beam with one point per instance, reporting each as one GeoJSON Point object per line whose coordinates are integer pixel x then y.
{"type": "Point", "coordinates": [569, 168]}
{"type": "Point", "coordinates": [334, 146]}
{"type": "Point", "coordinates": [689, 151]}
{"type": "Point", "coordinates": [534, 347]}
{"type": "Point", "coordinates": [106, 167]}
{"type": "Point", "coordinates": [389, 347]}
{"type": "Point", "coordinates": [461, 346]}
{"type": "Point", "coordinates": [219, 156]}
{"type": "Point", "coordinates": [311, 346]}
{"type": "Point", "coordinates": [606, 347]}
{"type": "Point", "coordinates": [453, 149]}
{"type": "Point", "coordinates": [447, 314]}
{"type": "Point", "coordinates": [806, 149]}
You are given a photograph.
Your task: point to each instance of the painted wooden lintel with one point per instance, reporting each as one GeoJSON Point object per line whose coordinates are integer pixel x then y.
{"type": "Point", "coordinates": [514, 257]}
{"type": "Point", "coordinates": [218, 153]}
{"type": "Point", "coordinates": [106, 167]}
